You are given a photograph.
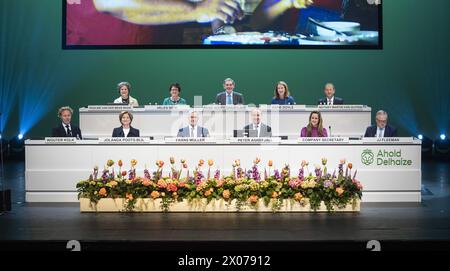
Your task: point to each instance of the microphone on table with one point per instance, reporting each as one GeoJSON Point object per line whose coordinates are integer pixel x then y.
{"type": "Point", "coordinates": [329, 128]}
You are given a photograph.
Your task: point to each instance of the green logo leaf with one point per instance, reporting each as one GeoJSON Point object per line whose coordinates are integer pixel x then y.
{"type": "Point", "coordinates": [367, 157]}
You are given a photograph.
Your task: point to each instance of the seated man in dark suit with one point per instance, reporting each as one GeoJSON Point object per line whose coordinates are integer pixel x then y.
{"type": "Point", "coordinates": [381, 129]}
{"type": "Point", "coordinates": [193, 130]}
{"type": "Point", "coordinates": [229, 96]}
{"type": "Point", "coordinates": [66, 129]}
{"type": "Point", "coordinates": [125, 130]}
{"type": "Point", "coordinates": [261, 129]}
{"type": "Point", "coordinates": [329, 98]}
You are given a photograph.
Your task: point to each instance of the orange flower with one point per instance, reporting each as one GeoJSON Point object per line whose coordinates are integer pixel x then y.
{"type": "Point", "coordinates": [181, 184]}
{"type": "Point", "coordinates": [226, 194]}
{"type": "Point", "coordinates": [129, 196]}
{"type": "Point", "coordinates": [274, 195]}
{"type": "Point", "coordinates": [210, 163]}
{"type": "Point", "coordinates": [253, 198]}
{"type": "Point", "coordinates": [120, 163]}
{"type": "Point", "coordinates": [146, 182]}
{"type": "Point", "coordinates": [350, 165]}
{"type": "Point", "coordinates": [159, 163]}
{"type": "Point", "coordinates": [154, 194]}
{"type": "Point", "coordinates": [174, 195]}
{"type": "Point", "coordinates": [270, 163]}
{"type": "Point", "coordinates": [201, 162]}
{"type": "Point", "coordinates": [219, 183]}
{"type": "Point", "coordinates": [102, 192]}
{"type": "Point", "coordinates": [298, 196]}
{"type": "Point", "coordinates": [113, 183]}
{"type": "Point", "coordinates": [171, 187]}
{"type": "Point", "coordinates": [208, 193]}
{"type": "Point", "coordinates": [340, 191]}
{"type": "Point", "coordinates": [124, 173]}
{"type": "Point", "coordinates": [256, 161]}
{"type": "Point", "coordinates": [133, 162]}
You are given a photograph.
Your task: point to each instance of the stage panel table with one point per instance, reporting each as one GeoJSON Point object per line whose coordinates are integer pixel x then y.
{"type": "Point", "coordinates": [389, 171]}
{"type": "Point", "coordinates": [163, 121]}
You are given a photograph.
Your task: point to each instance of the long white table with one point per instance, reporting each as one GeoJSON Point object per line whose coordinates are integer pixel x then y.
{"type": "Point", "coordinates": [53, 170]}
{"type": "Point", "coordinates": [162, 121]}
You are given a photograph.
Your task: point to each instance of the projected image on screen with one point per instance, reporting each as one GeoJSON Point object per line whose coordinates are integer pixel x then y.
{"type": "Point", "coordinates": [222, 23]}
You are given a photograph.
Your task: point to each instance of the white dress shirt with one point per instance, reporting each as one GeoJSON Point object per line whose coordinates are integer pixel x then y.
{"type": "Point", "coordinates": [380, 132]}
{"type": "Point", "coordinates": [126, 131]}
{"type": "Point", "coordinates": [193, 131]}
{"type": "Point", "coordinates": [330, 101]}
{"type": "Point", "coordinates": [65, 128]}
{"type": "Point", "coordinates": [257, 127]}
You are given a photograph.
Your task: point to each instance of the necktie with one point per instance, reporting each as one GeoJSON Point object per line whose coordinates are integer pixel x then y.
{"type": "Point", "coordinates": [257, 130]}
{"type": "Point", "coordinates": [329, 101]}
{"type": "Point", "coordinates": [192, 131]}
{"type": "Point", "coordinates": [69, 132]}
{"type": "Point", "coordinates": [229, 99]}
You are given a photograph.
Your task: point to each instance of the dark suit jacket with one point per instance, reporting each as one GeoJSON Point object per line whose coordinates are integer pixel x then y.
{"type": "Point", "coordinates": [118, 132]}
{"type": "Point", "coordinates": [60, 131]}
{"type": "Point", "coordinates": [266, 131]}
{"type": "Point", "coordinates": [337, 101]}
{"type": "Point", "coordinates": [221, 98]}
{"type": "Point", "coordinates": [389, 131]}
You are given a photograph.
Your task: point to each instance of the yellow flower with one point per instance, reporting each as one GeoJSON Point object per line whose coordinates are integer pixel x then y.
{"type": "Point", "coordinates": [298, 196]}
{"type": "Point", "coordinates": [210, 163]}
{"type": "Point", "coordinates": [110, 163]}
{"type": "Point", "coordinates": [112, 183]}
{"type": "Point", "coordinates": [133, 162]}
{"type": "Point", "coordinates": [128, 181]}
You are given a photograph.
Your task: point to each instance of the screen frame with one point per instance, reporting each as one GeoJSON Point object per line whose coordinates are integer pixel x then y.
{"type": "Point", "coordinates": [65, 46]}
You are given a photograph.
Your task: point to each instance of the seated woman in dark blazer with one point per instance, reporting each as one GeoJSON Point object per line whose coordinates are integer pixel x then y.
{"type": "Point", "coordinates": [314, 127]}
{"type": "Point", "coordinates": [282, 95]}
{"type": "Point", "coordinates": [125, 130]}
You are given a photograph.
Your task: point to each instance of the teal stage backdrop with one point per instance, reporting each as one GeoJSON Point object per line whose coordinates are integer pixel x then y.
{"type": "Point", "coordinates": [409, 78]}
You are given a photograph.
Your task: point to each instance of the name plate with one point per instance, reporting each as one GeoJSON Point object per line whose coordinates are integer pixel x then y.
{"type": "Point", "coordinates": [342, 107]}
{"type": "Point", "coordinates": [294, 107]}
{"type": "Point", "coordinates": [166, 107]}
{"type": "Point", "coordinates": [190, 140]}
{"type": "Point", "coordinates": [124, 140]}
{"type": "Point", "coordinates": [323, 140]}
{"type": "Point", "coordinates": [61, 140]}
{"type": "Point", "coordinates": [392, 140]}
{"type": "Point", "coordinates": [255, 140]}
{"type": "Point", "coordinates": [109, 107]}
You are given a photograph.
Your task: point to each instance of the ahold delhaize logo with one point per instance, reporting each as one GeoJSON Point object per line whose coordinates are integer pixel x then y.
{"type": "Point", "coordinates": [384, 158]}
{"type": "Point", "coordinates": [367, 157]}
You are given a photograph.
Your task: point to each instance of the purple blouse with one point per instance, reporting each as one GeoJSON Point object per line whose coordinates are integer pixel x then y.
{"type": "Point", "coordinates": [314, 132]}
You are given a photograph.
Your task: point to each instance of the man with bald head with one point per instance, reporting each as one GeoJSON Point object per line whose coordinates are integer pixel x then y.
{"type": "Point", "coordinates": [261, 129]}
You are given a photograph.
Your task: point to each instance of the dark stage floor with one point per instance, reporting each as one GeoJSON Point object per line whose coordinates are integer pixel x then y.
{"type": "Point", "coordinates": [414, 223]}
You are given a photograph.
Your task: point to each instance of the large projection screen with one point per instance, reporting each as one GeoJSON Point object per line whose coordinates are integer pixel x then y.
{"type": "Point", "coordinates": [342, 24]}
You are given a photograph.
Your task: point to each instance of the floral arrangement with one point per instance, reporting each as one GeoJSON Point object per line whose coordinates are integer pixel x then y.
{"type": "Point", "coordinates": [247, 187]}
